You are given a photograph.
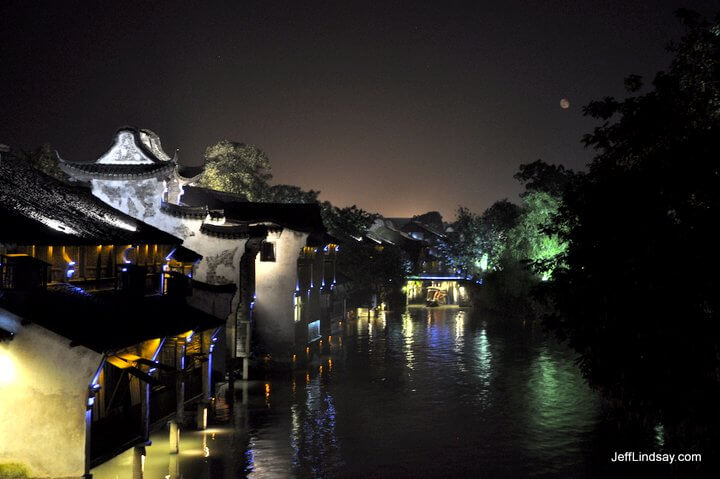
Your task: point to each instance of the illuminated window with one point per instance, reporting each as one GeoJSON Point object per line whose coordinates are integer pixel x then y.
{"type": "Point", "coordinates": [297, 306]}
{"type": "Point", "coordinates": [267, 251]}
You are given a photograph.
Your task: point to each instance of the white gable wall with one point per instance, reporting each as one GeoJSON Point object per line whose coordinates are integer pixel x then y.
{"type": "Point", "coordinates": [125, 152]}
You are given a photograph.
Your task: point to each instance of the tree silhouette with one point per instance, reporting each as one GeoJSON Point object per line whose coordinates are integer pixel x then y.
{"type": "Point", "coordinates": [637, 296]}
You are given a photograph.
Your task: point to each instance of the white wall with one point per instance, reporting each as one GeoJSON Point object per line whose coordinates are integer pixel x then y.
{"type": "Point", "coordinates": [124, 151]}
{"type": "Point", "coordinates": [275, 284]}
{"type": "Point", "coordinates": [138, 198]}
{"type": "Point", "coordinates": [43, 398]}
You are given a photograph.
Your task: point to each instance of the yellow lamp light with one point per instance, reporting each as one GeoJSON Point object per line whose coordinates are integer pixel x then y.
{"type": "Point", "coordinates": [8, 372]}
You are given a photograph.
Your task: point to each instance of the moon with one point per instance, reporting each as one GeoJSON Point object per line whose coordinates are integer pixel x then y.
{"type": "Point", "coordinates": [564, 103]}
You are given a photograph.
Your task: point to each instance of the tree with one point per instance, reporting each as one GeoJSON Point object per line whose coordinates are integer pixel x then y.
{"type": "Point", "coordinates": [44, 159]}
{"type": "Point", "coordinates": [544, 177]}
{"type": "Point", "coordinates": [347, 223]}
{"type": "Point", "coordinates": [495, 225]}
{"type": "Point", "coordinates": [461, 247]}
{"type": "Point", "coordinates": [637, 295]}
{"type": "Point", "coordinates": [237, 168]}
{"type": "Point", "coordinates": [289, 194]}
{"type": "Point", "coordinates": [532, 240]}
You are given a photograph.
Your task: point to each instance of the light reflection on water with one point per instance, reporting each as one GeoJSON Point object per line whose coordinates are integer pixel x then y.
{"type": "Point", "coordinates": [428, 392]}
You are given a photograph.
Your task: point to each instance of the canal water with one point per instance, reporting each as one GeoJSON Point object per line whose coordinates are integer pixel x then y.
{"type": "Point", "coordinates": [437, 392]}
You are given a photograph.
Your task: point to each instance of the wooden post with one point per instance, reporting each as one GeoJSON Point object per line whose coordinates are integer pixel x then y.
{"type": "Point", "coordinates": [145, 410]}
{"type": "Point", "coordinates": [180, 380]}
{"type": "Point", "coordinates": [208, 347]}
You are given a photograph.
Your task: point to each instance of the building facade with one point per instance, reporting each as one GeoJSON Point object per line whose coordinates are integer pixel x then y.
{"type": "Point", "coordinates": [98, 341]}
{"type": "Point", "coordinates": [263, 249]}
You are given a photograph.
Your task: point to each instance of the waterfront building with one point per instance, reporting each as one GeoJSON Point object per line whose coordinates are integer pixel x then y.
{"type": "Point", "coordinates": [98, 340]}
{"type": "Point", "coordinates": [277, 256]}
{"type": "Point", "coordinates": [431, 282]}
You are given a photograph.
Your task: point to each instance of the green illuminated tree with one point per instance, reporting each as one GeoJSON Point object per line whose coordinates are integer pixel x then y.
{"type": "Point", "coordinates": [532, 240]}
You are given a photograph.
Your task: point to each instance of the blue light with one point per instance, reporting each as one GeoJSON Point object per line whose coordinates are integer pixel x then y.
{"type": "Point", "coordinates": [124, 270]}
{"type": "Point", "coordinates": [167, 258]}
{"type": "Point", "coordinates": [96, 378]}
{"type": "Point", "coordinates": [124, 254]}
{"type": "Point", "coordinates": [70, 272]}
{"type": "Point", "coordinates": [157, 351]}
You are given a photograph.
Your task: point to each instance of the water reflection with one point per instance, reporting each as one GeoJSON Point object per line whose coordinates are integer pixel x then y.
{"type": "Point", "coordinates": [407, 332]}
{"type": "Point", "coordinates": [428, 392]}
{"type": "Point", "coordinates": [483, 366]}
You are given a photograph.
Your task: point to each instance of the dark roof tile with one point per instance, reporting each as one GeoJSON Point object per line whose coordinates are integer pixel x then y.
{"type": "Point", "coordinates": [303, 217]}
{"type": "Point", "coordinates": [38, 209]}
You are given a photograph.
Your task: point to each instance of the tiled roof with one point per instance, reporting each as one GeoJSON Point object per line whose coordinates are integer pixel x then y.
{"type": "Point", "coordinates": [234, 230]}
{"type": "Point", "coordinates": [88, 171]}
{"type": "Point", "coordinates": [38, 209]}
{"type": "Point", "coordinates": [299, 217]}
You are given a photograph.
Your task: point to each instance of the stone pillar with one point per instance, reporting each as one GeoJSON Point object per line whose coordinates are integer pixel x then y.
{"type": "Point", "coordinates": [202, 412]}
{"type": "Point", "coordinates": [243, 333]}
{"type": "Point", "coordinates": [174, 467]}
{"type": "Point", "coordinates": [138, 464]}
{"type": "Point", "coordinates": [174, 437]}
{"type": "Point", "coordinates": [246, 369]}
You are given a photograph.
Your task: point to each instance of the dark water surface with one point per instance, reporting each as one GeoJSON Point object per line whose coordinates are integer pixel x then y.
{"type": "Point", "coordinates": [426, 393]}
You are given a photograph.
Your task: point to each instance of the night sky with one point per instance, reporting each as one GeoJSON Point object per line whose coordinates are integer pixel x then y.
{"type": "Point", "coordinates": [398, 107]}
